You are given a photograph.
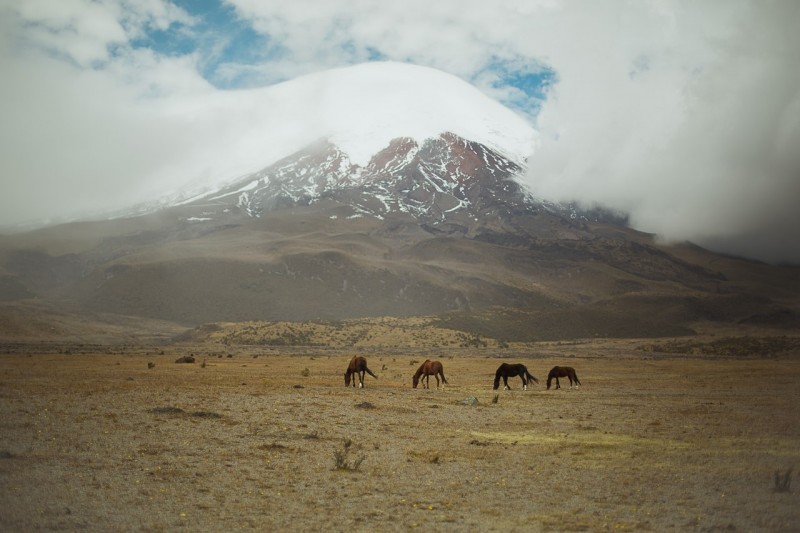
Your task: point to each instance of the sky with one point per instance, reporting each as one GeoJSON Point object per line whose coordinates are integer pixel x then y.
{"type": "Point", "coordinates": [685, 115]}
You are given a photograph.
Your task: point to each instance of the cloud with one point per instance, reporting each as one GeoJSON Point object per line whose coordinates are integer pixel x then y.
{"type": "Point", "coordinates": [689, 123]}
{"type": "Point", "coordinates": [92, 123]}
{"type": "Point", "coordinates": [684, 114]}
{"type": "Point", "coordinates": [460, 37]}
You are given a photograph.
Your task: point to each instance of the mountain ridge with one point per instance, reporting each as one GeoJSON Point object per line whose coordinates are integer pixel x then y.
{"type": "Point", "coordinates": [425, 230]}
{"type": "Point", "coordinates": [430, 224]}
{"type": "Point", "coordinates": [441, 180]}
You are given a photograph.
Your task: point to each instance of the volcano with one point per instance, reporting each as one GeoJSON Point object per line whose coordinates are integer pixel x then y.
{"type": "Point", "coordinates": [406, 199]}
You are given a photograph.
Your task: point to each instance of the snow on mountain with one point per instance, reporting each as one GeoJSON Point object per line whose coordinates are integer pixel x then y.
{"type": "Point", "coordinates": [366, 106]}
{"type": "Point", "coordinates": [360, 109]}
{"type": "Point", "coordinates": [442, 179]}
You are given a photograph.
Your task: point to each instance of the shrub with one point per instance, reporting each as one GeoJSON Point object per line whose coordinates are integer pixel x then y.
{"type": "Point", "coordinates": [342, 458]}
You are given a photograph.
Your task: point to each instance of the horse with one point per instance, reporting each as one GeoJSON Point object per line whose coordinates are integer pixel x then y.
{"type": "Point", "coordinates": [357, 366]}
{"type": "Point", "coordinates": [426, 370]}
{"type": "Point", "coordinates": [506, 371]}
{"type": "Point", "coordinates": [563, 372]}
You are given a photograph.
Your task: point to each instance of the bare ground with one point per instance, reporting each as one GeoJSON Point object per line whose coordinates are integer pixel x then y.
{"type": "Point", "coordinates": [99, 441]}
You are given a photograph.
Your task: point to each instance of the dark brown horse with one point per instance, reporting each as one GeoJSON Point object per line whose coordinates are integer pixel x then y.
{"type": "Point", "coordinates": [506, 371]}
{"type": "Point", "coordinates": [426, 370]}
{"type": "Point", "coordinates": [563, 372]}
{"type": "Point", "coordinates": [357, 366]}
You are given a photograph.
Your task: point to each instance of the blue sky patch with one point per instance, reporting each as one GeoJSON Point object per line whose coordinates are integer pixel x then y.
{"type": "Point", "coordinates": [232, 55]}
{"type": "Point", "coordinates": [220, 38]}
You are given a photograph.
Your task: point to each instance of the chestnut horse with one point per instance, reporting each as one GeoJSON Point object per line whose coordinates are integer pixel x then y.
{"type": "Point", "coordinates": [357, 366]}
{"type": "Point", "coordinates": [563, 372]}
{"type": "Point", "coordinates": [426, 370]}
{"type": "Point", "coordinates": [506, 371]}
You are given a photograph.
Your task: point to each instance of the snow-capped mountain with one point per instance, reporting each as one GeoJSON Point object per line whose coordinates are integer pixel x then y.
{"type": "Point", "coordinates": [360, 110]}
{"type": "Point", "coordinates": [387, 138]}
{"type": "Point", "coordinates": [442, 178]}
{"type": "Point", "coordinates": [397, 193]}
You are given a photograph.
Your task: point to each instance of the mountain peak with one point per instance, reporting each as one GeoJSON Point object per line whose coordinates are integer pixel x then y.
{"type": "Point", "coordinates": [445, 177]}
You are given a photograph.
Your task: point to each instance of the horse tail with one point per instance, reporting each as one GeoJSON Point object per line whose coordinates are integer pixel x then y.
{"type": "Point", "coordinates": [575, 376]}
{"type": "Point", "coordinates": [441, 373]}
{"type": "Point", "coordinates": [370, 372]}
{"type": "Point", "coordinates": [531, 376]}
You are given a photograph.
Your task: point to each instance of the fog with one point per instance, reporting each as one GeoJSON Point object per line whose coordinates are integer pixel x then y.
{"type": "Point", "coordinates": [685, 115]}
{"type": "Point", "coordinates": [697, 140]}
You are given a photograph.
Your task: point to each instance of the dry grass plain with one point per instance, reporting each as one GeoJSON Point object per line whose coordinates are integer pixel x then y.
{"type": "Point", "coordinates": [248, 440]}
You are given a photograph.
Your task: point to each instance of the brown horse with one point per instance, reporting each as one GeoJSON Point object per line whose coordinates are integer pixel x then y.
{"type": "Point", "coordinates": [506, 371]}
{"type": "Point", "coordinates": [357, 366]}
{"type": "Point", "coordinates": [426, 370]}
{"type": "Point", "coordinates": [563, 372]}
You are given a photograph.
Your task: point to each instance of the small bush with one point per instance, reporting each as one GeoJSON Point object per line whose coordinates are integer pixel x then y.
{"type": "Point", "coordinates": [342, 458]}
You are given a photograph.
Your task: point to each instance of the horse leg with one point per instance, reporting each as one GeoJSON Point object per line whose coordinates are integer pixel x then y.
{"type": "Point", "coordinates": [505, 382]}
{"type": "Point", "coordinates": [524, 383]}
{"type": "Point", "coordinates": [558, 383]}
{"type": "Point", "coordinates": [361, 379]}
{"type": "Point", "coordinates": [437, 381]}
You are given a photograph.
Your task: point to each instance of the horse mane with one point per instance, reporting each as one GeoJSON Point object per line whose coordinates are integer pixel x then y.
{"type": "Point", "coordinates": [421, 368]}
{"type": "Point", "coordinates": [551, 375]}
{"type": "Point", "coordinates": [499, 374]}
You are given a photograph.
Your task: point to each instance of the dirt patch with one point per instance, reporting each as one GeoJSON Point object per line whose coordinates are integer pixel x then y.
{"type": "Point", "coordinates": [102, 442]}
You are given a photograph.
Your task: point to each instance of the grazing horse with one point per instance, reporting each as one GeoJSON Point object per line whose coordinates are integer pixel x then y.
{"type": "Point", "coordinates": [426, 370]}
{"type": "Point", "coordinates": [357, 366]}
{"type": "Point", "coordinates": [563, 372]}
{"type": "Point", "coordinates": [506, 371]}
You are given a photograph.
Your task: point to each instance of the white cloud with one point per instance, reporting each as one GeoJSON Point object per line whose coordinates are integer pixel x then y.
{"type": "Point", "coordinates": [81, 30]}
{"type": "Point", "coordinates": [685, 114]}
{"type": "Point", "coordinates": [685, 124]}
{"type": "Point", "coordinates": [459, 37]}
{"type": "Point", "coordinates": [77, 139]}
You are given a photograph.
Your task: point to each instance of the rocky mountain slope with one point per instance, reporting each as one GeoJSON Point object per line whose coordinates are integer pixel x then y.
{"type": "Point", "coordinates": [368, 221]}
{"type": "Point", "coordinates": [439, 228]}
{"type": "Point", "coordinates": [441, 179]}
